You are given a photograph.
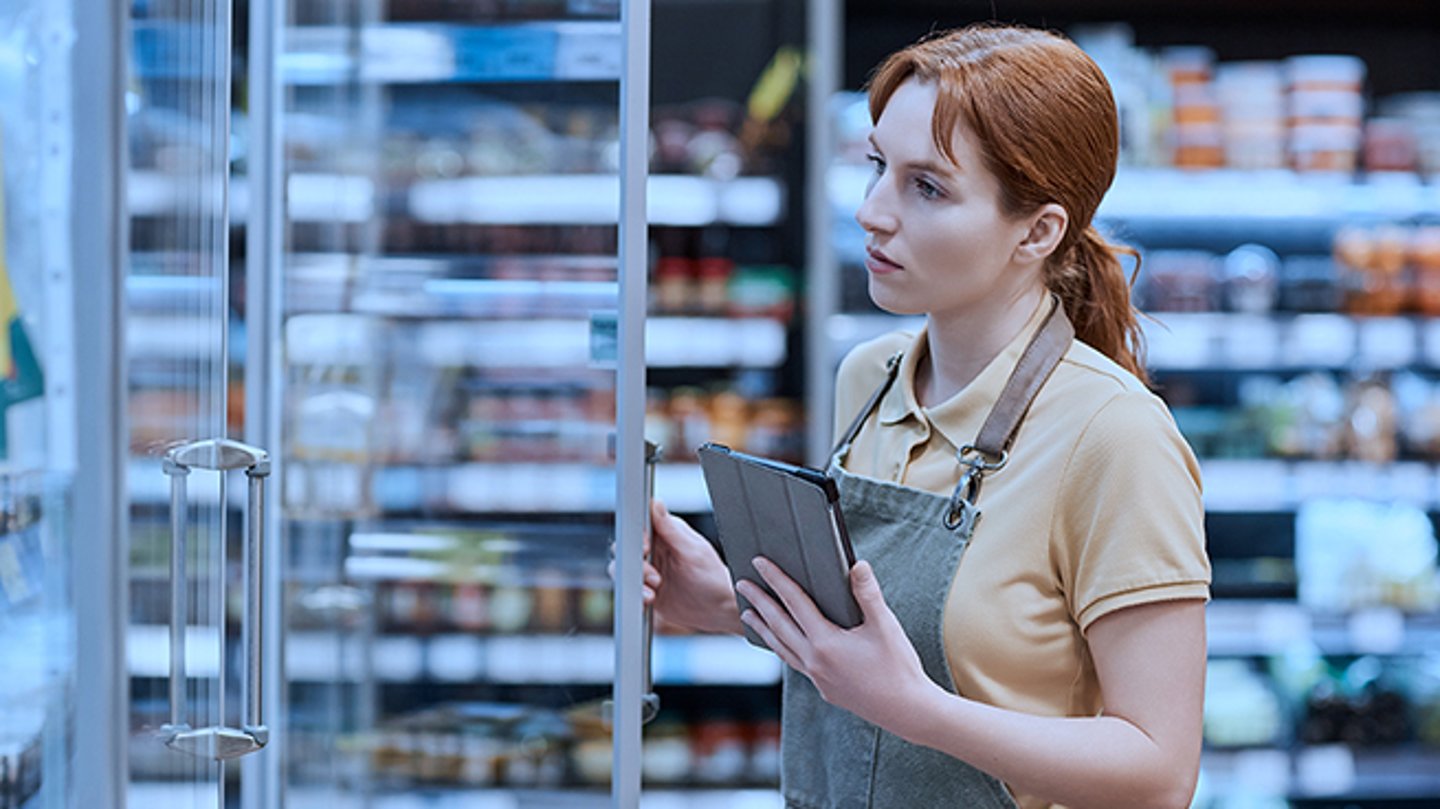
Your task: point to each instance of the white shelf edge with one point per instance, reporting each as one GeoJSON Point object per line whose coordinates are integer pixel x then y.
{"type": "Point", "coordinates": [1178, 195]}
{"type": "Point", "coordinates": [325, 656]}
{"type": "Point", "coordinates": [538, 199]}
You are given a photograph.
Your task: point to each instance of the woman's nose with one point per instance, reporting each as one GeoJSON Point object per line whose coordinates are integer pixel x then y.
{"type": "Point", "coordinates": [873, 214]}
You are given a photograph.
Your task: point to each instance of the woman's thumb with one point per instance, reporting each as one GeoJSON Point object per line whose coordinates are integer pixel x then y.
{"type": "Point", "coordinates": [865, 587]}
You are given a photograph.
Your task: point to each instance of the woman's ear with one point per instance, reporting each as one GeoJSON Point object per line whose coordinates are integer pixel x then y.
{"type": "Point", "coordinates": [1047, 229]}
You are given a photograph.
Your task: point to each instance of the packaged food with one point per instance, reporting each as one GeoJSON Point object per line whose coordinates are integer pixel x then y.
{"type": "Point", "coordinates": [1390, 145]}
{"type": "Point", "coordinates": [1325, 147]}
{"type": "Point", "coordinates": [1325, 72]}
{"type": "Point", "coordinates": [1252, 279]}
{"type": "Point", "coordinates": [1425, 260]}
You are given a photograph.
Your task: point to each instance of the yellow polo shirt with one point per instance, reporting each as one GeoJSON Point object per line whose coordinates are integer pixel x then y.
{"type": "Point", "coordinates": [1098, 509]}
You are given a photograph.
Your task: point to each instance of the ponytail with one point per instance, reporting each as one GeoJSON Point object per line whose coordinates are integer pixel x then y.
{"type": "Point", "coordinates": [1092, 287]}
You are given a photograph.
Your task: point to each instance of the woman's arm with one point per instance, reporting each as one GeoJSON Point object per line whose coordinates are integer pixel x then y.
{"type": "Point", "coordinates": [1144, 751]}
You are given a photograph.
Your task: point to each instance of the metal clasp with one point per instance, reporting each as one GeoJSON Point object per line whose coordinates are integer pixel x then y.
{"type": "Point", "coordinates": [963, 514]}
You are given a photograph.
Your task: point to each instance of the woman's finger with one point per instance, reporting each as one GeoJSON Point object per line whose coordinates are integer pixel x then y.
{"type": "Point", "coordinates": [774, 615]}
{"type": "Point", "coordinates": [752, 619]}
{"type": "Point", "coordinates": [796, 601]}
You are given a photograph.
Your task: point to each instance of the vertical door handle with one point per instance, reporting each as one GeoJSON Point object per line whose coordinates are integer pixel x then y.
{"type": "Point", "coordinates": [218, 741]}
{"type": "Point", "coordinates": [649, 701]}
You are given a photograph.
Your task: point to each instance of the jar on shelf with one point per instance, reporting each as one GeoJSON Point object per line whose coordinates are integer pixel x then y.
{"type": "Point", "coordinates": [690, 415]}
{"type": "Point", "coordinates": [730, 419]}
{"type": "Point", "coordinates": [1425, 259]}
{"type": "Point", "coordinates": [1373, 263]}
{"type": "Point", "coordinates": [712, 291]}
{"type": "Point", "coordinates": [1390, 145]}
{"type": "Point", "coordinates": [675, 291]}
{"type": "Point", "coordinates": [1372, 431]}
{"type": "Point", "coordinates": [1252, 113]}
{"type": "Point", "coordinates": [1252, 279]}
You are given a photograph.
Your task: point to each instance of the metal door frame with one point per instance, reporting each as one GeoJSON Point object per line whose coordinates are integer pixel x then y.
{"type": "Point", "coordinates": [99, 246]}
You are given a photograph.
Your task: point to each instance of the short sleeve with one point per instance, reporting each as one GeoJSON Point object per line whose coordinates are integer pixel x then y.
{"type": "Point", "coordinates": [1129, 524]}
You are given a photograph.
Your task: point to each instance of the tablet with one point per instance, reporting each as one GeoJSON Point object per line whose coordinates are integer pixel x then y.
{"type": "Point", "coordinates": [790, 515]}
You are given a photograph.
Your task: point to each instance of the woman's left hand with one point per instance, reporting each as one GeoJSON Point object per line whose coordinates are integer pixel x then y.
{"type": "Point", "coordinates": [871, 670]}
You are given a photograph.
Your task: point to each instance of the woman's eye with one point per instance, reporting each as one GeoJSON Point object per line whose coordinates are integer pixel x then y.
{"type": "Point", "coordinates": [876, 162]}
{"type": "Point", "coordinates": [928, 189]}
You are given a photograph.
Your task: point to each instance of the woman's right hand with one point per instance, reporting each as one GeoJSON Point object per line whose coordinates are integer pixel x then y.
{"type": "Point", "coordinates": [685, 579]}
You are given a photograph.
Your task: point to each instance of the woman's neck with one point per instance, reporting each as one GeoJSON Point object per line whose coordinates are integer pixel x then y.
{"type": "Point", "coordinates": [960, 346]}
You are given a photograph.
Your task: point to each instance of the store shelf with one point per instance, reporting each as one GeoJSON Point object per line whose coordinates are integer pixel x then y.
{"type": "Point", "coordinates": [345, 339]}
{"type": "Point", "coordinates": [510, 340]}
{"type": "Point", "coordinates": [1324, 771]}
{"type": "Point", "coordinates": [415, 53]}
{"type": "Point", "coordinates": [1201, 199]}
{"type": "Point", "coordinates": [514, 488]}
{"type": "Point", "coordinates": [1234, 629]}
{"type": "Point", "coordinates": [847, 331]}
{"type": "Point", "coordinates": [310, 197]}
{"type": "Point", "coordinates": [1275, 485]}
{"type": "Point", "coordinates": [1279, 342]}
{"type": "Point", "coordinates": [307, 797]}
{"type": "Point", "coordinates": [1227, 341]}
{"type": "Point", "coordinates": [574, 199]}
{"type": "Point", "coordinates": [528, 488]}
{"type": "Point", "coordinates": [1243, 628]}
{"type": "Point", "coordinates": [555, 199]}
{"type": "Point", "coordinates": [316, 656]}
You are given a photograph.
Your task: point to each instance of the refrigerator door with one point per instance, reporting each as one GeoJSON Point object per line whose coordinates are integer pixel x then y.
{"type": "Point", "coordinates": [37, 441]}
{"type": "Point", "coordinates": [195, 495]}
{"type": "Point", "coordinates": [437, 286]}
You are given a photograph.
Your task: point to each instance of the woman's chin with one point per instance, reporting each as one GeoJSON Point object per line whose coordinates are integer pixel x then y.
{"type": "Point", "coordinates": [891, 303]}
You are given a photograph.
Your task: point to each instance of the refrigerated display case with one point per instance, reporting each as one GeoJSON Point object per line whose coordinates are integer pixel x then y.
{"type": "Point", "coordinates": [442, 385]}
{"type": "Point", "coordinates": [1291, 337]}
{"type": "Point", "coordinates": [56, 642]}
{"type": "Point", "coordinates": [442, 285]}
{"type": "Point", "coordinates": [440, 271]}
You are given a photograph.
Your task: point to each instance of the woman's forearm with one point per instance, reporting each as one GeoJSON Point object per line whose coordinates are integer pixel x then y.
{"type": "Point", "coordinates": [1103, 761]}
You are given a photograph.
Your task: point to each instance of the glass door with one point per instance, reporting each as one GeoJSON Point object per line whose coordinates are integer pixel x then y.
{"type": "Point", "coordinates": [446, 285]}
{"type": "Point", "coordinates": [196, 495]}
{"type": "Point", "coordinates": [37, 441]}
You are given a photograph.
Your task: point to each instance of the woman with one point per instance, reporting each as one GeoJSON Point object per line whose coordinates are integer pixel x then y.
{"type": "Point", "coordinates": [1063, 661]}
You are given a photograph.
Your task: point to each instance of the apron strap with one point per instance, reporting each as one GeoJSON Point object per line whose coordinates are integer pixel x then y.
{"type": "Point", "coordinates": [991, 449]}
{"type": "Point", "coordinates": [892, 370]}
{"type": "Point", "coordinates": [1036, 363]}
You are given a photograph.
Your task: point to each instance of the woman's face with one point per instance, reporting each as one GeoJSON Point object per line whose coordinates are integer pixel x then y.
{"type": "Point", "coordinates": [936, 239]}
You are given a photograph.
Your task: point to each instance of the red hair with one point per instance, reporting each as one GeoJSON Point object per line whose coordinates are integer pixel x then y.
{"type": "Point", "coordinates": [1045, 119]}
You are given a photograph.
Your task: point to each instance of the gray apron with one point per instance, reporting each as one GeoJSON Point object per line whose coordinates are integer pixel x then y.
{"type": "Point", "coordinates": [833, 759]}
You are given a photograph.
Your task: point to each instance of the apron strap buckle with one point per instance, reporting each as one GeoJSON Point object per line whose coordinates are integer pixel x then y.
{"type": "Point", "coordinates": [963, 514]}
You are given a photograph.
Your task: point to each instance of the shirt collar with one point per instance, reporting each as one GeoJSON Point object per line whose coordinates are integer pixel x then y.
{"type": "Point", "coordinates": [958, 418]}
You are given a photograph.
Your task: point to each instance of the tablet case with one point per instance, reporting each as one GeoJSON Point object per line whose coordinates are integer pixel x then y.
{"type": "Point", "coordinates": [788, 514]}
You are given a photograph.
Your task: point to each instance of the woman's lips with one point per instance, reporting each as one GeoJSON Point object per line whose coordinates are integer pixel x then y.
{"type": "Point", "coordinates": [879, 263]}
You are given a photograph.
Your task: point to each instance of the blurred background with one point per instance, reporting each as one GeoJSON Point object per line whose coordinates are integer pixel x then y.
{"type": "Point", "coordinates": [378, 238]}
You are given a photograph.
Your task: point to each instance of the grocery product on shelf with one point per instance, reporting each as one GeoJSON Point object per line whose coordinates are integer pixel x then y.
{"type": "Point", "coordinates": [1180, 106]}
{"type": "Point", "coordinates": [1241, 709]}
{"type": "Point", "coordinates": [1352, 553]}
{"type": "Point", "coordinates": [686, 417]}
{"type": "Point", "coordinates": [505, 744]}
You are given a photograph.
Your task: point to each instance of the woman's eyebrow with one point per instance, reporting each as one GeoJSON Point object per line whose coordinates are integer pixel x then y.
{"type": "Point", "coordinates": [944, 170]}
